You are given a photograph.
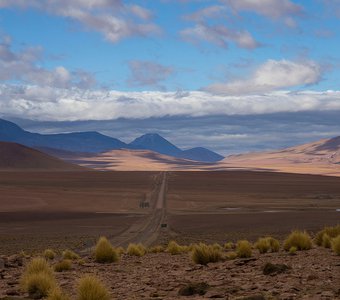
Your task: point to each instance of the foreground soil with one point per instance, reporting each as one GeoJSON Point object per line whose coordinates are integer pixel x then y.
{"type": "Point", "coordinates": [312, 274]}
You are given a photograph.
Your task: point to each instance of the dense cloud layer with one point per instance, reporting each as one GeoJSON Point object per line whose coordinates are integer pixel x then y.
{"type": "Point", "coordinates": [47, 103]}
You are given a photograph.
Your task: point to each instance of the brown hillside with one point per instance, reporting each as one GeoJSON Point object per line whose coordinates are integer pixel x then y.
{"type": "Point", "coordinates": [18, 157]}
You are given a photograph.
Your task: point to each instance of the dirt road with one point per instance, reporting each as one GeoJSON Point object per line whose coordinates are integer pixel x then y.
{"type": "Point", "coordinates": [148, 229]}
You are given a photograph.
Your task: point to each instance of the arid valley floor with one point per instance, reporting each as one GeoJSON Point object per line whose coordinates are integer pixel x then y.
{"type": "Point", "coordinates": [71, 210]}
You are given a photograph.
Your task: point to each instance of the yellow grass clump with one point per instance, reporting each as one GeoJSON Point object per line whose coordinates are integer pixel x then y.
{"type": "Point", "coordinates": [299, 239]}
{"type": "Point", "coordinates": [203, 254]}
{"type": "Point", "coordinates": [49, 254]}
{"type": "Point", "coordinates": [292, 250]}
{"type": "Point", "coordinates": [120, 250]}
{"type": "Point", "coordinates": [229, 246]}
{"type": "Point", "coordinates": [104, 252]}
{"type": "Point", "coordinates": [156, 249]}
{"type": "Point", "coordinates": [136, 250]}
{"type": "Point", "coordinates": [90, 288]}
{"type": "Point", "coordinates": [231, 255]}
{"type": "Point", "coordinates": [243, 249]}
{"type": "Point", "coordinates": [267, 244]}
{"type": "Point", "coordinates": [331, 231]}
{"type": "Point", "coordinates": [64, 265]}
{"type": "Point", "coordinates": [174, 248]}
{"type": "Point", "coordinates": [69, 254]}
{"type": "Point", "coordinates": [336, 245]}
{"type": "Point", "coordinates": [57, 294]}
{"type": "Point", "coordinates": [38, 278]}
{"type": "Point", "coordinates": [326, 241]}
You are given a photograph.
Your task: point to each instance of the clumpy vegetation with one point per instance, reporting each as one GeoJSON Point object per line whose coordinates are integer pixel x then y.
{"type": "Point", "coordinates": [267, 244]}
{"type": "Point", "coordinates": [136, 250]}
{"type": "Point", "coordinates": [203, 254]}
{"type": "Point", "coordinates": [156, 249]}
{"type": "Point", "coordinates": [49, 254]}
{"type": "Point", "coordinates": [336, 245]}
{"type": "Point", "coordinates": [292, 250]}
{"type": "Point", "coordinates": [64, 265]}
{"type": "Point", "coordinates": [57, 294]}
{"type": "Point", "coordinates": [69, 254]}
{"type": "Point", "coordinates": [299, 239]}
{"type": "Point", "coordinates": [38, 279]}
{"type": "Point", "coordinates": [174, 249]}
{"type": "Point", "coordinates": [328, 233]}
{"type": "Point", "coordinates": [229, 245]}
{"type": "Point", "coordinates": [90, 288]}
{"type": "Point", "coordinates": [270, 268]}
{"type": "Point", "coordinates": [194, 289]}
{"type": "Point", "coordinates": [243, 249]}
{"type": "Point", "coordinates": [104, 252]}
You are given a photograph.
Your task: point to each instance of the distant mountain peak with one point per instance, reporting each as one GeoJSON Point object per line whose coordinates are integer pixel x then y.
{"type": "Point", "coordinates": [155, 142]}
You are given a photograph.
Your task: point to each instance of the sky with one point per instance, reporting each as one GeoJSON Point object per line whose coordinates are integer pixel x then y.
{"type": "Point", "coordinates": [230, 75]}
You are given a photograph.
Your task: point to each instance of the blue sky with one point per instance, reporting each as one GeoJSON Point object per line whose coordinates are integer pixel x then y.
{"type": "Point", "coordinates": [96, 61]}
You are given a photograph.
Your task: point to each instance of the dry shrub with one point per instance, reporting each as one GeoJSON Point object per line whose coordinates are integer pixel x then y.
{"type": "Point", "coordinates": [332, 232]}
{"type": "Point", "coordinates": [292, 250]}
{"type": "Point", "coordinates": [90, 288]}
{"type": "Point", "coordinates": [194, 289]}
{"type": "Point", "coordinates": [49, 254]}
{"type": "Point", "coordinates": [204, 254]}
{"type": "Point", "coordinates": [104, 252]}
{"type": "Point", "coordinates": [120, 250]}
{"type": "Point", "coordinates": [64, 265]}
{"type": "Point", "coordinates": [174, 249]}
{"type": "Point", "coordinates": [136, 250]}
{"type": "Point", "coordinates": [263, 245]}
{"type": "Point", "coordinates": [326, 241]}
{"type": "Point", "coordinates": [231, 255]}
{"type": "Point", "coordinates": [267, 244]}
{"type": "Point", "coordinates": [156, 249]}
{"type": "Point", "coordinates": [299, 239]}
{"type": "Point", "coordinates": [336, 245]}
{"type": "Point", "coordinates": [38, 279]}
{"type": "Point", "coordinates": [229, 246]}
{"type": "Point", "coordinates": [57, 294]}
{"type": "Point", "coordinates": [69, 254]}
{"type": "Point", "coordinates": [243, 249]}
{"type": "Point", "coordinates": [217, 246]}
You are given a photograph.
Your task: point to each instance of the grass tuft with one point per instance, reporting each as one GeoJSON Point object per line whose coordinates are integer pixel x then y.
{"type": "Point", "coordinates": [332, 232]}
{"type": "Point", "coordinates": [299, 239]}
{"type": "Point", "coordinates": [292, 250]}
{"type": "Point", "coordinates": [64, 265]}
{"type": "Point", "coordinates": [156, 249]}
{"type": "Point", "coordinates": [49, 254]}
{"type": "Point", "coordinates": [267, 244]}
{"type": "Point", "coordinates": [38, 279]}
{"type": "Point", "coordinates": [104, 252]}
{"type": "Point", "coordinates": [231, 255]}
{"type": "Point", "coordinates": [203, 254]}
{"type": "Point", "coordinates": [90, 288]}
{"type": "Point", "coordinates": [174, 249]}
{"type": "Point", "coordinates": [69, 254]}
{"type": "Point", "coordinates": [336, 245]}
{"type": "Point", "coordinates": [243, 249]}
{"type": "Point", "coordinates": [229, 246]}
{"type": "Point", "coordinates": [136, 250]}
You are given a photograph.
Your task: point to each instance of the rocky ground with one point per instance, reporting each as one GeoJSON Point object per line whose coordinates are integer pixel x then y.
{"type": "Point", "coordinates": [312, 274]}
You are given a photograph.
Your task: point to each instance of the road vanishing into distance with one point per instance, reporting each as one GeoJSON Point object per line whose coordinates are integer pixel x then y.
{"type": "Point", "coordinates": [147, 229]}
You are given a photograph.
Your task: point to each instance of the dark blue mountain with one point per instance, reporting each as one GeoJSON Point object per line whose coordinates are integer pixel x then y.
{"type": "Point", "coordinates": [154, 142]}
{"type": "Point", "coordinates": [157, 143]}
{"type": "Point", "coordinates": [77, 142]}
{"type": "Point", "coordinates": [94, 142]}
{"type": "Point", "coordinates": [200, 154]}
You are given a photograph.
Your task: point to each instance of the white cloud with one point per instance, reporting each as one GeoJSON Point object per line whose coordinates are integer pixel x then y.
{"type": "Point", "coordinates": [24, 66]}
{"type": "Point", "coordinates": [272, 75]}
{"type": "Point", "coordinates": [112, 18]}
{"type": "Point", "coordinates": [219, 35]}
{"type": "Point", "coordinates": [48, 103]}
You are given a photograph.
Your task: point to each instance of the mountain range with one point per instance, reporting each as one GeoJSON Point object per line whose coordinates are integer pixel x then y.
{"type": "Point", "coordinates": [95, 142]}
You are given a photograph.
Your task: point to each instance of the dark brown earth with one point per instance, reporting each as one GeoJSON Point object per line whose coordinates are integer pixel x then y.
{"type": "Point", "coordinates": [18, 157]}
{"type": "Point", "coordinates": [312, 274]}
